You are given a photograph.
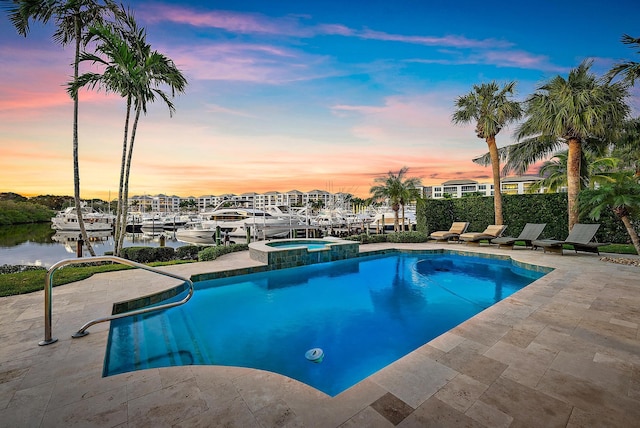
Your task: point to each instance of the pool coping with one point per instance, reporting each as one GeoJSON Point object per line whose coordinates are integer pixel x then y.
{"type": "Point", "coordinates": [564, 351]}
{"type": "Point", "coordinates": [282, 258]}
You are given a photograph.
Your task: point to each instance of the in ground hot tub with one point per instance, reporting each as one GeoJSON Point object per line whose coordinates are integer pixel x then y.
{"type": "Point", "coordinates": [287, 253]}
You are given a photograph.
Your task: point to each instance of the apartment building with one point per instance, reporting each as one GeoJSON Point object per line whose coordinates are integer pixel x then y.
{"type": "Point", "coordinates": [460, 188]}
{"type": "Point", "coordinates": [164, 203]}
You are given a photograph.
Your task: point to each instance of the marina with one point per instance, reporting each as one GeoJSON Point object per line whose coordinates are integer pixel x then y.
{"type": "Point", "coordinates": [44, 244]}
{"type": "Point", "coordinates": [40, 245]}
{"type": "Point", "coordinates": [67, 220]}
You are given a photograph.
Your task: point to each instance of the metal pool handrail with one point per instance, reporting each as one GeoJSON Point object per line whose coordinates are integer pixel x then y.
{"type": "Point", "coordinates": [48, 291]}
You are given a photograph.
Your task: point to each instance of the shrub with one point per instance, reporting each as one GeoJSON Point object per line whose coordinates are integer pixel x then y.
{"type": "Point", "coordinates": [189, 252]}
{"type": "Point", "coordinates": [363, 238]}
{"type": "Point", "coordinates": [407, 237]}
{"type": "Point", "coordinates": [164, 254]}
{"type": "Point", "coordinates": [19, 268]}
{"type": "Point", "coordinates": [212, 253]}
{"type": "Point", "coordinates": [148, 254]}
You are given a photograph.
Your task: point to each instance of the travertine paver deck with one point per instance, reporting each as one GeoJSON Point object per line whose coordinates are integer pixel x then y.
{"type": "Point", "coordinates": [564, 351]}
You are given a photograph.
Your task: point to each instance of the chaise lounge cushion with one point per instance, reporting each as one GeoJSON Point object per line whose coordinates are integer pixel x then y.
{"type": "Point", "coordinates": [454, 231]}
{"type": "Point", "coordinates": [580, 238]}
{"type": "Point", "coordinates": [491, 232]}
{"type": "Point", "coordinates": [531, 232]}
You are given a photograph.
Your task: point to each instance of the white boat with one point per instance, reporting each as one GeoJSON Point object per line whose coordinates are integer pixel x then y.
{"type": "Point", "coordinates": [67, 220]}
{"type": "Point", "coordinates": [174, 222]}
{"type": "Point", "coordinates": [236, 222]}
{"type": "Point", "coordinates": [385, 219]}
{"type": "Point", "coordinates": [330, 218]}
{"type": "Point", "coordinates": [152, 223]}
{"type": "Point", "coordinates": [70, 238]}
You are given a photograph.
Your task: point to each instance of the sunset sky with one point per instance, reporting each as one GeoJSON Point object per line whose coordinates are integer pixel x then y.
{"type": "Point", "coordinates": [299, 95]}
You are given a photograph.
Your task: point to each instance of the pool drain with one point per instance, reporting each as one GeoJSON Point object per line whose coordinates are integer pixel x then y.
{"type": "Point", "coordinates": [314, 355]}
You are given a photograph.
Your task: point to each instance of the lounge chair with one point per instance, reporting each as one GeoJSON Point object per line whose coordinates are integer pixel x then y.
{"type": "Point", "coordinates": [491, 232]}
{"type": "Point", "coordinates": [580, 238]}
{"type": "Point", "coordinates": [530, 233]}
{"type": "Point", "coordinates": [453, 233]}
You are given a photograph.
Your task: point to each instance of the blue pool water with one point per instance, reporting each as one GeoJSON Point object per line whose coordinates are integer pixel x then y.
{"type": "Point", "coordinates": [364, 313]}
{"type": "Point", "coordinates": [308, 245]}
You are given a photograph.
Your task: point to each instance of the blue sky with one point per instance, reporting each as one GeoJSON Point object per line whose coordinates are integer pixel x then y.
{"type": "Point", "coordinates": [296, 94]}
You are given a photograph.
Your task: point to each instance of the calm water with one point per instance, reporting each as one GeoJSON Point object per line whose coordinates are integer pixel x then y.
{"type": "Point", "coordinates": [364, 313]}
{"type": "Point", "coordinates": [308, 245]}
{"type": "Point", "coordinates": [38, 244]}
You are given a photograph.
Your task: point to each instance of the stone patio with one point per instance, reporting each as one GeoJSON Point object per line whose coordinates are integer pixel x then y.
{"type": "Point", "coordinates": [564, 351]}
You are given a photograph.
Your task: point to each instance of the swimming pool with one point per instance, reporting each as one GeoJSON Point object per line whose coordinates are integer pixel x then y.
{"type": "Point", "coordinates": [310, 245]}
{"type": "Point", "coordinates": [364, 313]}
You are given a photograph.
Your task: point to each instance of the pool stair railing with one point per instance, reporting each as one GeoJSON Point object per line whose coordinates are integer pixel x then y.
{"type": "Point", "coordinates": [48, 295]}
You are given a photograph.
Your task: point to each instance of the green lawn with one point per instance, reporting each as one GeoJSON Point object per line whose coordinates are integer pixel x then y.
{"type": "Point", "coordinates": [33, 280]}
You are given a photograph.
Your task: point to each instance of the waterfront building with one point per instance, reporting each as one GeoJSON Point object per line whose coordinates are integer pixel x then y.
{"type": "Point", "coordinates": [466, 187]}
{"type": "Point", "coordinates": [292, 198]}
{"type": "Point", "coordinates": [519, 185]}
{"type": "Point", "coordinates": [296, 198]}
{"type": "Point", "coordinates": [460, 188]}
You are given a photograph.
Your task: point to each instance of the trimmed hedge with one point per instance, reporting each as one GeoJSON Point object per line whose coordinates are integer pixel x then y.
{"type": "Point", "coordinates": [400, 237]}
{"type": "Point", "coordinates": [363, 238]}
{"type": "Point", "coordinates": [407, 237]}
{"type": "Point", "coordinates": [518, 210]}
{"type": "Point", "coordinates": [212, 253]}
{"type": "Point", "coordinates": [148, 254]}
{"type": "Point", "coordinates": [189, 252]}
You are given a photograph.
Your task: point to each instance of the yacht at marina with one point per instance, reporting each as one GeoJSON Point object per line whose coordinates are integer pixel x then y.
{"type": "Point", "coordinates": [67, 220]}
{"type": "Point", "coordinates": [237, 222]}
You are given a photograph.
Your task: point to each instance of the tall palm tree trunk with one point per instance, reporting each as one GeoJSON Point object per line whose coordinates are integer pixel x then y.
{"type": "Point", "coordinates": [396, 220]}
{"type": "Point", "coordinates": [125, 193]}
{"type": "Point", "coordinates": [495, 167]}
{"type": "Point", "coordinates": [573, 180]}
{"type": "Point", "coordinates": [632, 232]}
{"type": "Point", "coordinates": [121, 218]}
{"type": "Point", "coordinates": [76, 167]}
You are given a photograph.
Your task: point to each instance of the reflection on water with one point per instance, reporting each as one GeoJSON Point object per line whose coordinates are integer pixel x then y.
{"type": "Point", "coordinates": [38, 244]}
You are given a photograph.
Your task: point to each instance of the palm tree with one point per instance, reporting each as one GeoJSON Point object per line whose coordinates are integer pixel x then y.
{"type": "Point", "coordinates": [580, 111]}
{"type": "Point", "coordinates": [622, 196]}
{"type": "Point", "coordinates": [396, 190]}
{"type": "Point", "coordinates": [595, 170]}
{"type": "Point", "coordinates": [627, 148]}
{"type": "Point", "coordinates": [137, 73]}
{"type": "Point", "coordinates": [492, 109]}
{"type": "Point", "coordinates": [72, 18]}
{"type": "Point", "coordinates": [630, 70]}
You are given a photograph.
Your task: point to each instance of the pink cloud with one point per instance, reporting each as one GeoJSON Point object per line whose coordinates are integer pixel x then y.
{"type": "Point", "coordinates": [407, 121]}
{"type": "Point", "coordinates": [213, 108]}
{"type": "Point", "coordinates": [249, 63]}
{"type": "Point", "coordinates": [506, 58]}
{"type": "Point", "coordinates": [335, 29]}
{"type": "Point", "coordinates": [518, 59]}
{"type": "Point", "coordinates": [451, 41]}
{"type": "Point", "coordinates": [252, 23]}
{"type": "Point", "coordinates": [243, 23]}
{"type": "Point", "coordinates": [13, 99]}
{"type": "Point", "coordinates": [36, 80]}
